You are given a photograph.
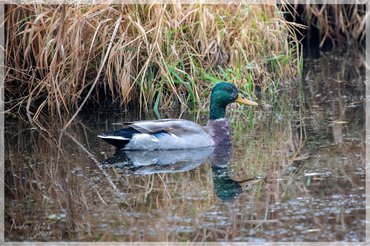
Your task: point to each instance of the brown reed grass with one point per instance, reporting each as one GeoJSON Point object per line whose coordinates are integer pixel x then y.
{"type": "Point", "coordinates": [59, 56]}
{"type": "Point", "coordinates": [337, 23]}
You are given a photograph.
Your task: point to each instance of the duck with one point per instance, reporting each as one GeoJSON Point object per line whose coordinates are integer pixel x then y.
{"type": "Point", "coordinates": [179, 133]}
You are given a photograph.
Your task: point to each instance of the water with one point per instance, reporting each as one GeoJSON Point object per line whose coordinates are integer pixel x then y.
{"type": "Point", "coordinates": [295, 172]}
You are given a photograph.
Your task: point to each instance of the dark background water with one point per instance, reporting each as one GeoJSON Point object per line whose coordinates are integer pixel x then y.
{"type": "Point", "coordinates": [295, 172]}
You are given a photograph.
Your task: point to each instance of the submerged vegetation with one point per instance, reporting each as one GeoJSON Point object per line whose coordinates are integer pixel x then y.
{"type": "Point", "coordinates": [66, 186]}
{"type": "Point", "coordinates": [60, 56]}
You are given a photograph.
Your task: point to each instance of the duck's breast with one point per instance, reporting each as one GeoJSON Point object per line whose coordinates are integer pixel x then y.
{"type": "Point", "coordinates": [220, 131]}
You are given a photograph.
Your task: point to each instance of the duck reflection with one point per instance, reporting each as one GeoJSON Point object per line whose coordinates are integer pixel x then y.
{"type": "Point", "coordinates": [226, 188]}
{"type": "Point", "coordinates": [173, 161]}
{"type": "Point", "coordinates": [158, 161]}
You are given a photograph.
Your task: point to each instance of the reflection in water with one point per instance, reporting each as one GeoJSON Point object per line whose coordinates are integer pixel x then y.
{"type": "Point", "coordinates": [225, 187]}
{"type": "Point", "coordinates": [312, 157]}
{"type": "Point", "coordinates": [157, 161]}
{"type": "Point", "coordinates": [174, 161]}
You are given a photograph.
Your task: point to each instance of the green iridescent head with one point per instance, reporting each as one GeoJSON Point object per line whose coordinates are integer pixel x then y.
{"type": "Point", "coordinates": [223, 94]}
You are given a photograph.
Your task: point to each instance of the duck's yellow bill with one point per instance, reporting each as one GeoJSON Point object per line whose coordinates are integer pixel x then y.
{"type": "Point", "coordinates": [241, 99]}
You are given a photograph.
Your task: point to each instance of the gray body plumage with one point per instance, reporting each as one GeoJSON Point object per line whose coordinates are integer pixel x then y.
{"type": "Point", "coordinates": [172, 134]}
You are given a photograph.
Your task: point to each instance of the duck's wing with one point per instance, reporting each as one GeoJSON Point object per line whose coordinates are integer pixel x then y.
{"type": "Point", "coordinates": [177, 127]}
{"type": "Point", "coordinates": [160, 134]}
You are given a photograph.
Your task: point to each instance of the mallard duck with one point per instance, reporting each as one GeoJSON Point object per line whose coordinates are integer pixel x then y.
{"type": "Point", "coordinates": [179, 133]}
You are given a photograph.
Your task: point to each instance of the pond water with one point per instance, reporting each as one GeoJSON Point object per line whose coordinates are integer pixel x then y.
{"type": "Point", "coordinates": [295, 172]}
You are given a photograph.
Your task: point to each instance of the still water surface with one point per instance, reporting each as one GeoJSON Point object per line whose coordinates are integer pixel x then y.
{"type": "Point", "coordinates": [295, 172]}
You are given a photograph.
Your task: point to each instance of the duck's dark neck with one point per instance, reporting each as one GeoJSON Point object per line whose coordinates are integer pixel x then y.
{"type": "Point", "coordinates": [217, 111]}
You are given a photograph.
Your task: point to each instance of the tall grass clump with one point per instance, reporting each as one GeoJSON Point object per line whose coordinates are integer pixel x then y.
{"type": "Point", "coordinates": [60, 56]}
{"type": "Point", "coordinates": [337, 24]}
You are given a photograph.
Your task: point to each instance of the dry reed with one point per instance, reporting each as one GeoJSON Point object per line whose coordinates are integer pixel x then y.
{"type": "Point", "coordinates": [59, 56]}
{"type": "Point", "coordinates": [337, 23]}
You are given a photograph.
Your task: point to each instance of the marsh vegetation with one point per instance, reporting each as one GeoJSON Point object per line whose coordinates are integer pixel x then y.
{"type": "Point", "coordinates": [155, 56]}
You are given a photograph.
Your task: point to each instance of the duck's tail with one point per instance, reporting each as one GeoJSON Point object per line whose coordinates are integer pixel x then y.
{"type": "Point", "coordinates": [117, 141]}
{"type": "Point", "coordinates": [119, 138]}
